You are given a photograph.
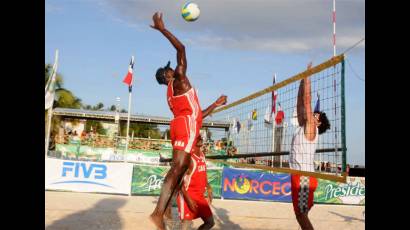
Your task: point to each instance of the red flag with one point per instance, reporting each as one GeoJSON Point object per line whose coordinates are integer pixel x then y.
{"type": "Point", "coordinates": [274, 95]}
{"type": "Point", "coordinates": [280, 115]}
{"type": "Point", "coordinates": [128, 78]}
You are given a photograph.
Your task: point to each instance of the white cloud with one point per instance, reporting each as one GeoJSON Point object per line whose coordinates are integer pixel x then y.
{"type": "Point", "coordinates": [287, 45]}
{"type": "Point", "coordinates": [256, 44]}
{"type": "Point", "coordinates": [276, 26]}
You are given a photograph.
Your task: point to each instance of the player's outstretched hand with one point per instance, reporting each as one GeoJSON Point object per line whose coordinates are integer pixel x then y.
{"type": "Point", "coordinates": [158, 23]}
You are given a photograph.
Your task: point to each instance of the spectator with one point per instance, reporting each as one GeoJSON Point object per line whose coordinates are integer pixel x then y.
{"type": "Point", "coordinates": [322, 167]}
{"type": "Point", "coordinates": [328, 166]}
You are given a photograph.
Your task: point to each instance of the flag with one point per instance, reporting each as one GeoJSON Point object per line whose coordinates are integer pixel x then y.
{"type": "Point", "coordinates": [274, 95]}
{"type": "Point", "coordinates": [250, 125]}
{"type": "Point", "coordinates": [249, 122]}
{"type": "Point", "coordinates": [280, 115]}
{"type": "Point", "coordinates": [254, 115]}
{"type": "Point", "coordinates": [50, 88]}
{"type": "Point", "coordinates": [237, 126]}
{"type": "Point", "coordinates": [49, 98]}
{"type": "Point", "coordinates": [128, 78]}
{"type": "Point", "coordinates": [233, 125]}
{"type": "Point", "coordinates": [244, 125]}
{"type": "Point", "coordinates": [317, 106]}
{"type": "Point", "coordinates": [267, 117]}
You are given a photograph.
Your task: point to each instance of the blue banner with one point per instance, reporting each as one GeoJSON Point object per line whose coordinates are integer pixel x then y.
{"type": "Point", "coordinates": [255, 185]}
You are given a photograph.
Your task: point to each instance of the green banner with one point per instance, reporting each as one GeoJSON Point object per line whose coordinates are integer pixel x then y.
{"type": "Point", "coordinates": [352, 192]}
{"type": "Point", "coordinates": [147, 180]}
{"type": "Point", "coordinates": [215, 180]}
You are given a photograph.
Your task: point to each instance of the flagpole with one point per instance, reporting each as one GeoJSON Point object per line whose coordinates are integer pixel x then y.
{"type": "Point", "coordinates": [49, 116]}
{"type": "Point", "coordinates": [129, 113]}
{"type": "Point", "coordinates": [273, 120]}
{"type": "Point", "coordinates": [50, 110]}
{"type": "Point", "coordinates": [48, 82]}
{"type": "Point", "coordinates": [128, 122]}
{"type": "Point", "coordinates": [117, 122]}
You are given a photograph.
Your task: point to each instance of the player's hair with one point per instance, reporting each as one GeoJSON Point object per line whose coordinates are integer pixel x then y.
{"type": "Point", "coordinates": [324, 123]}
{"type": "Point", "coordinates": [160, 74]}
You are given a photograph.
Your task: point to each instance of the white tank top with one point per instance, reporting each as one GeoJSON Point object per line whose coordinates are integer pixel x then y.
{"type": "Point", "coordinates": [302, 151]}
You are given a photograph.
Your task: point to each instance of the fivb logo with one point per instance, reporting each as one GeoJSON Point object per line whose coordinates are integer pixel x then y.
{"type": "Point", "coordinates": [100, 170]}
{"type": "Point", "coordinates": [81, 170]}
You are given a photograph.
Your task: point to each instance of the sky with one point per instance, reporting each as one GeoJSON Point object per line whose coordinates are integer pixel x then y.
{"type": "Point", "coordinates": [234, 48]}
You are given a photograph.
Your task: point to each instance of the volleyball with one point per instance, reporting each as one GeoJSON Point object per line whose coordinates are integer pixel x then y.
{"type": "Point", "coordinates": [190, 11]}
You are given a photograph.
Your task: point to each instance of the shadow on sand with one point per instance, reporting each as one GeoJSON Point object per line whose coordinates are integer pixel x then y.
{"type": "Point", "coordinates": [103, 215]}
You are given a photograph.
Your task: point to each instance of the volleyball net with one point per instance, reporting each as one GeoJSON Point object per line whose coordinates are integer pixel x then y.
{"type": "Point", "coordinates": [262, 125]}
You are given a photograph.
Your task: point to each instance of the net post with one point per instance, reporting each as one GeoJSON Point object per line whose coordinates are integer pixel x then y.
{"type": "Point", "coordinates": [273, 139]}
{"type": "Point", "coordinates": [343, 120]}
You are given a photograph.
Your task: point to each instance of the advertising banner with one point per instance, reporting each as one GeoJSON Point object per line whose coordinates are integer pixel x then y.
{"type": "Point", "coordinates": [352, 192]}
{"type": "Point", "coordinates": [86, 176]}
{"type": "Point", "coordinates": [84, 152]}
{"type": "Point", "coordinates": [255, 185]}
{"type": "Point", "coordinates": [147, 180]}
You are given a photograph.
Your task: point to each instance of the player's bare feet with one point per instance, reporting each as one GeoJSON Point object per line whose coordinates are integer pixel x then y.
{"type": "Point", "coordinates": [158, 220]}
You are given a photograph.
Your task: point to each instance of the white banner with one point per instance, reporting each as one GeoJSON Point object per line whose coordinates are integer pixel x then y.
{"type": "Point", "coordinates": [140, 158]}
{"type": "Point", "coordinates": [88, 176]}
{"type": "Point", "coordinates": [135, 158]}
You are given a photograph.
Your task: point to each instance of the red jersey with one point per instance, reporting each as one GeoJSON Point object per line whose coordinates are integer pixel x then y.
{"type": "Point", "coordinates": [195, 185]}
{"type": "Point", "coordinates": [195, 182]}
{"type": "Point", "coordinates": [186, 104]}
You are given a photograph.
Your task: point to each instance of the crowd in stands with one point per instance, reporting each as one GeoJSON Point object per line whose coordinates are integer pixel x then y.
{"type": "Point", "coordinates": [96, 140]}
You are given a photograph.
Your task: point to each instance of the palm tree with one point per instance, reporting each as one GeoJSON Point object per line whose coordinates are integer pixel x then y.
{"type": "Point", "coordinates": [63, 98]}
{"type": "Point", "coordinates": [98, 106]}
{"type": "Point", "coordinates": [141, 130]}
{"type": "Point", "coordinates": [88, 107]}
{"type": "Point", "coordinates": [66, 99]}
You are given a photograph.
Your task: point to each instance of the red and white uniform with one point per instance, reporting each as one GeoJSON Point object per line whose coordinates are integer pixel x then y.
{"type": "Point", "coordinates": [301, 158]}
{"type": "Point", "coordinates": [195, 185]}
{"type": "Point", "coordinates": [303, 188]}
{"type": "Point", "coordinates": [187, 118]}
